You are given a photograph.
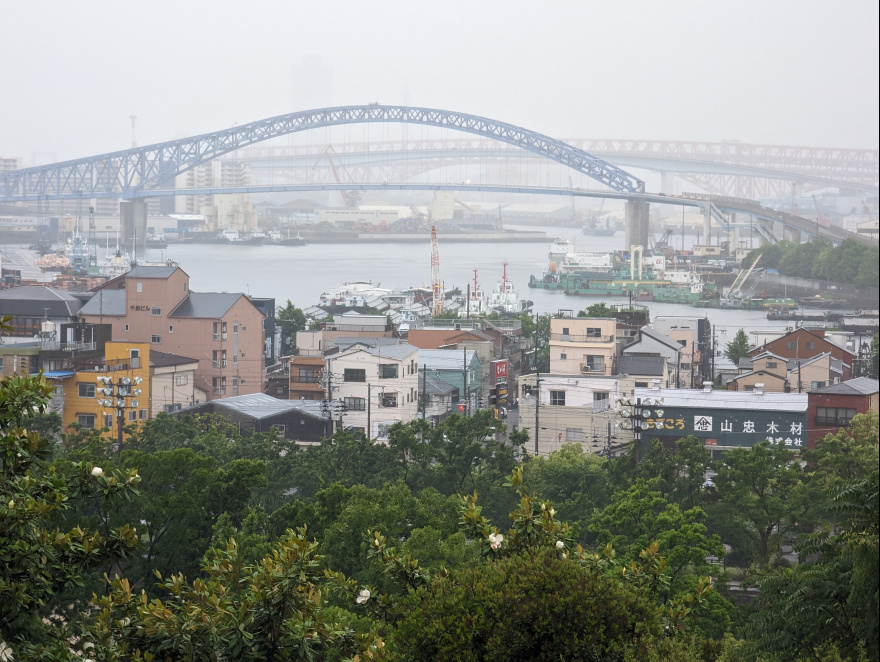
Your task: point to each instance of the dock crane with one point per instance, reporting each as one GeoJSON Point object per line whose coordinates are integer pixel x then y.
{"type": "Point", "coordinates": [436, 282]}
{"type": "Point", "coordinates": [742, 277]}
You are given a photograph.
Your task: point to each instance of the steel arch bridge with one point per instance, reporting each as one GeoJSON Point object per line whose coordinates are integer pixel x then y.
{"type": "Point", "coordinates": [129, 173]}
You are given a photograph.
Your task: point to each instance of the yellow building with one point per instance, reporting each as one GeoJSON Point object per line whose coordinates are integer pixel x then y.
{"type": "Point", "coordinates": [93, 398]}
{"type": "Point", "coordinates": [583, 345]}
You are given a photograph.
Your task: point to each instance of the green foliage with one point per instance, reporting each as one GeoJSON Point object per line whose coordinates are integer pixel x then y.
{"type": "Point", "coordinates": [829, 604]}
{"type": "Point", "coordinates": [36, 562]}
{"type": "Point", "coordinates": [600, 309]}
{"type": "Point", "coordinates": [849, 262]}
{"type": "Point", "coordinates": [639, 516]}
{"type": "Point", "coordinates": [760, 498]}
{"type": "Point", "coordinates": [738, 347]}
{"type": "Point", "coordinates": [538, 329]}
{"type": "Point", "coordinates": [291, 319]}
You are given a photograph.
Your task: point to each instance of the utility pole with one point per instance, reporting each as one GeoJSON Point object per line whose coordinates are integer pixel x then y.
{"type": "Point", "coordinates": [424, 391]}
{"type": "Point", "coordinates": [537, 402]}
{"type": "Point", "coordinates": [467, 395]}
{"type": "Point", "coordinates": [369, 411]}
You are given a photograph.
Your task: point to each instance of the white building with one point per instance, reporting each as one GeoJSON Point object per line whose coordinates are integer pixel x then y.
{"type": "Point", "coordinates": [573, 409]}
{"type": "Point", "coordinates": [378, 386]}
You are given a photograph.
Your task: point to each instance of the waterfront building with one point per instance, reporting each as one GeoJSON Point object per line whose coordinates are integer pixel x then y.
{"type": "Point", "coordinates": [721, 419]}
{"type": "Point", "coordinates": [377, 386]}
{"type": "Point", "coordinates": [583, 345]}
{"type": "Point", "coordinates": [573, 408]}
{"type": "Point", "coordinates": [460, 368]}
{"type": "Point", "coordinates": [32, 305]}
{"type": "Point", "coordinates": [801, 344]}
{"type": "Point", "coordinates": [779, 374]}
{"type": "Point", "coordinates": [224, 331]}
{"type": "Point", "coordinates": [833, 407]}
{"type": "Point", "coordinates": [302, 422]}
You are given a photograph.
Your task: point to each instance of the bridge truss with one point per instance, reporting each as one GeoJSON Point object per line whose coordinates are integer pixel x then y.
{"type": "Point", "coordinates": [126, 173]}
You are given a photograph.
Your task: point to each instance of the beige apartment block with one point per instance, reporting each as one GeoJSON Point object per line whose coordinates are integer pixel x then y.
{"type": "Point", "coordinates": [223, 331]}
{"type": "Point", "coordinates": [583, 345]}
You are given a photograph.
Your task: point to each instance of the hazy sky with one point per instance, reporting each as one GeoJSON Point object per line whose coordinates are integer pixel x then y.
{"type": "Point", "coordinates": [792, 73]}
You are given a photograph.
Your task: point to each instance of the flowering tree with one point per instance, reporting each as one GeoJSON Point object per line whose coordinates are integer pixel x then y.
{"type": "Point", "coordinates": [35, 561]}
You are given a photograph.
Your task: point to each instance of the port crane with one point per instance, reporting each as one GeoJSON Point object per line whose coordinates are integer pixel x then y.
{"type": "Point", "coordinates": [350, 198]}
{"type": "Point", "coordinates": [436, 282]}
{"type": "Point", "coordinates": [740, 280]}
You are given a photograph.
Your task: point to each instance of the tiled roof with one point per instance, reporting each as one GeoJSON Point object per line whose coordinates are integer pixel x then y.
{"type": "Point", "coordinates": [105, 302]}
{"type": "Point", "coordinates": [857, 386]}
{"type": "Point", "coordinates": [210, 305]}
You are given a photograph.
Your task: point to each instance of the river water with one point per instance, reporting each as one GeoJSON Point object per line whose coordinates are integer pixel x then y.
{"type": "Point", "coordinates": [302, 273]}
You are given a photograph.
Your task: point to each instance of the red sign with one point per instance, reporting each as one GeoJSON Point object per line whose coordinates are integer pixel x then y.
{"type": "Point", "coordinates": [461, 408]}
{"type": "Point", "coordinates": [499, 371]}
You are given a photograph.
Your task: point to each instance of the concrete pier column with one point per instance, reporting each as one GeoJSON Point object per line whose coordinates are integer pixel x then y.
{"type": "Point", "coordinates": [707, 226]}
{"type": "Point", "coordinates": [636, 223]}
{"type": "Point", "coordinates": [667, 183]}
{"type": "Point", "coordinates": [791, 234]}
{"type": "Point", "coordinates": [133, 222]}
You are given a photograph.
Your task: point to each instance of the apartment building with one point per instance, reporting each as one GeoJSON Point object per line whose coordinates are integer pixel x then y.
{"type": "Point", "coordinates": [801, 344]}
{"type": "Point", "coordinates": [583, 345]}
{"type": "Point", "coordinates": [580, 409]}
{"type": "Point", "coordinates": [223, 331]}
{"type": "Point", "coordinates": [378, 386]}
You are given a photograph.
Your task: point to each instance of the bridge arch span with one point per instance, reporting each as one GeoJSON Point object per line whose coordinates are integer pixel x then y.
{"type": "Point", "coordinates": [123, 174]}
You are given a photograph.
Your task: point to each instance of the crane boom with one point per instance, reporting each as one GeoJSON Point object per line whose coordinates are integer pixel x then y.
{"type": "Point", "coordinates": [436, 283]}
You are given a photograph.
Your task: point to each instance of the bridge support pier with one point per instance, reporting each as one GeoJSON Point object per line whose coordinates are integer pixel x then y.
{"type": "Point", "coordinates": [636, 223]}
{"type": "Point", "coordinates": [791, 234]}
{"type": "Point", "coordinates": [667, 183]}
{"type": "Point", "coordinates": [133, 222]}
{"type": "Point", "coordinates": [707, 226]}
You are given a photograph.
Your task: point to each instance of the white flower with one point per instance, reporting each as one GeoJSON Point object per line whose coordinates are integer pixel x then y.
{"type": "Point", "coordinates": [560, 545]}
{"type": "Point", "coordinates": [5, 652]}
{"type": "Point", "coordinates": [88, 646]}
{"type": "Point", "coordinates": [552, 512]}
{"type": "Point", "coordinates": [97, 472]}
{"type": "Point", "coordinates": [11, 506]}
{"type": "Point", "coordinates": [363, 596]}
{"type": "Point", "coordinates": [495, 540]}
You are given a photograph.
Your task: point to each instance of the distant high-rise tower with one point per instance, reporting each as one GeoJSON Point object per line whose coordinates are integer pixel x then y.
{"type": "Point", "coordinates": [311, 84]}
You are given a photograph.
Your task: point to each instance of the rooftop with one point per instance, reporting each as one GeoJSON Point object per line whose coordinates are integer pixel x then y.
{"type": "Point", "coordinates": [694, 398]}
{"type": "Point", "coordinates": [857, 386]}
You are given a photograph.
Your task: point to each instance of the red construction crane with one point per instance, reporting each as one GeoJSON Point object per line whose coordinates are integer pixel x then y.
{"type": "Point", "coordinates": [350, 198]}
{"type": "Point", "coordinates": [436, 283]}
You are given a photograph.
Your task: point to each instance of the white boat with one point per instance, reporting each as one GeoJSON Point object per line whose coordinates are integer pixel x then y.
{"type": "Point", "coordinates": [504, 299]}
{"type": "Point", "coordinates": [559, 249]}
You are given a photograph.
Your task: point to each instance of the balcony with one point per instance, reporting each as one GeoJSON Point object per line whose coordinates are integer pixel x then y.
{"type": "Point", "coordinates": [218, 364]}
{"type": "Point", "coordinates": [218, 390]}
{"type": "Point", "coordinates": [219, 336]}
{"type": "Point", "coordinates": [601, 405]}
{"type": "Point", "coordinates": [592, 367]}
{"type": "Point", "coordinates": [305, 379]}
{"type": "Point", "coordinates": [567, 337]}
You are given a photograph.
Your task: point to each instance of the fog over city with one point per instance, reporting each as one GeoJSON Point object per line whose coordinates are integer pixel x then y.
{"type": "Point", "coordinates": [784, 73]}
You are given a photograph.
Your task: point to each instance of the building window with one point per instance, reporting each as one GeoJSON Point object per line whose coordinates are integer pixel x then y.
{"type": "Point", "coordinates": [184, 287]}
{"type": "Point", "coordinates": [355, 404]}
{"type": "Point", "coordinates": [280, 428]}
{"type": "Point", "coordinates": [142, 414]}
{"type": "Point", "coordinates": [1, 364]}
{"type": "Point", "coordinates": [601, 400]}
{"type": "Point", "coordinates": [170, 329]}
{"type": "Point", "coordinates": [389, 399]}
{"type": "Point", "coordinates": [218, 385]}
{"type": "Point", "coordinates": [772, 364]}
{"type": "Point", "coordinates": [815, 385]}
{"type": "Point", "coordinates": [811, 345]}
{"type": "Point", "coordinates": [140, 287]}
{"type": "Point", "coordinates": [594, 333]}
{"type": "Point", "coordinates": [126, 327]}
{"type": "Point", "coordinates": [593, 363]}
{"type": "Point", "coordinates": [155, 311]}
{"type": "Point", "coordinates": [108, 420]}
{"type": "Point", "coordinates": [280, 390]}
{"type": "Point", "coordinates": [86, 420]}
{"type": "Point", "coordinates": [563, 357]}
{"type": "Point", "coordinates": [565, 330]}
{"type": "Point", "coordinates": [641, 384]}
{"type": "Point", "coordinates": [683, 343]}
{"type": "Point", "coordinates": [181, 380]}
{"type": "Point", "coordinates": [132, 416]}
{"type": "Point", "coordinates": [134, 358]}
{"type": "Point", "coordinates": [834, 415]}
{"type": "Point", "coordinates": [155, 339]}
{"type": "Point", "coordinates": [791, 345]}
{"type": "Point", "coordinates": [307, 376]}
{"type": "Point", "coordinates": [354, 375]}
{"type": "Point", "coordinates": [557, 398]}
{"type": "Point", "coordinates": [387, 371]}
{"type": "Point", "coordinates": [86, 390]}
{"type": "Point", "coordinates": [685, 366]}
{"type": "Point", "coordinates": [574, 434]}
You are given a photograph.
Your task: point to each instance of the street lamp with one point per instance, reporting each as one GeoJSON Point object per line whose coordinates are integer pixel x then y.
{"type": "Point", "coordinates": [118, 396]}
